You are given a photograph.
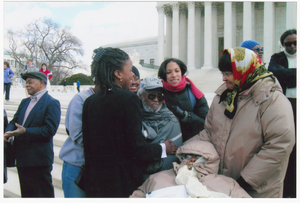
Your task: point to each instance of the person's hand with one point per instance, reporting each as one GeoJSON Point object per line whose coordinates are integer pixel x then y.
{"type": "Point", "coordinates": [25, 71]}
{"type": "Point", "coordinates": [170, 148]}
{"type": "Point", "coordinates": [19, 131]}
{"type": "Point", "coordinates": [178, 112]}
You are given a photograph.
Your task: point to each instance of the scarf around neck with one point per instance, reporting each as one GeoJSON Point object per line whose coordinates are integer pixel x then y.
{"type": "Point", "coordinates": [247, 68]}
{"type": "Point", "coordinates": [181, 85]}
{"type": "Point", "coordinates": [158, 125]}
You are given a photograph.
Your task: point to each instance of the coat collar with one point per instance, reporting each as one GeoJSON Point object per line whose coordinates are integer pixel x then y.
{"type": "Point", "coordinates": [260, 91]}
{"type": "Point", "coordinates": [35, 109]}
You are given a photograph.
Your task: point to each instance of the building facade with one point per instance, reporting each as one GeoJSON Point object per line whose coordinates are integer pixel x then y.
{"type": "Point", "coordinates": [197, 32]}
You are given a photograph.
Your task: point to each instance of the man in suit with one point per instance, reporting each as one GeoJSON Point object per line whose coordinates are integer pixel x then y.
{"type": "Point", "coordinates": [33, 127]}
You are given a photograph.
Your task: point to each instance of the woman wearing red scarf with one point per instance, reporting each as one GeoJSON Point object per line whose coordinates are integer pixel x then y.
{"type": "Point", "coordinates": [183, 98]}
{"type": "Point", "coordinates": [48, 73]}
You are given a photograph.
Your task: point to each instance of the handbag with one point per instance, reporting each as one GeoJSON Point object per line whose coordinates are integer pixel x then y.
{"type": "Point", "coordinates": [80, 179]}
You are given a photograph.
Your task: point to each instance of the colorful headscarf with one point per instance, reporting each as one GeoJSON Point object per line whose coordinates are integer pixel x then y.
{"type": "Point", "coordinates": [247, 68]}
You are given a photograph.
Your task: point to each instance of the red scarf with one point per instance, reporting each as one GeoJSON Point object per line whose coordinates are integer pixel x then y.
{"type": "Point", "coordinates": [198, 94]}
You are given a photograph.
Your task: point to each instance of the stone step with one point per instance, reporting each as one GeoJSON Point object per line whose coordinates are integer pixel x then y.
{"type": "Point", "coordinates": [11, 189]}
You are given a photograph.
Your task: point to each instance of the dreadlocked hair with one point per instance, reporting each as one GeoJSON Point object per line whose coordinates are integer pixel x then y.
{"type": "Point", "coordinates": [103, 67]}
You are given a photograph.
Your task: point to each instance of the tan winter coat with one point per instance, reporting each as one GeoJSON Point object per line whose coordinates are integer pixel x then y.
{"type": "Point", "coordinates": [206, 173]}
{"type": "Point", "coordinates": [257, 142]}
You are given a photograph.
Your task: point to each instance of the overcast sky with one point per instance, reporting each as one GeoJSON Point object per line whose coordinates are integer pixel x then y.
{"type": "Point", "coordinates": [94, 23]}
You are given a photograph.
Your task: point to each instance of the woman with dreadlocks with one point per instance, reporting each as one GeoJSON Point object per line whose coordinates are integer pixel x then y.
{"type": "Point", "coordinates": [250, 123]}
{"type": "Point", "coordinates": [114, 148]}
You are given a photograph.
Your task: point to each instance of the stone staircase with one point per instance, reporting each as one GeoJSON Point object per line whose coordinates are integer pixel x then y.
{"type": "Point", "coordinates": [11, 189]}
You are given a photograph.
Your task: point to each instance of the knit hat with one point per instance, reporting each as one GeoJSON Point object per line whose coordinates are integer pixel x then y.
{"type": "Point", "coordinates": [36, 75]}
{"type": "Point", "coordinates": [135, 71]}
{"type": "Point", "coordinates": [249, 44]}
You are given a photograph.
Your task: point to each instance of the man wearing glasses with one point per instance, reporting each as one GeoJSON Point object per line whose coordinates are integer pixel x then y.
{"type": "Point", "coordinates": [284, 65]}
{"type": "Point", "coordinates": [159, 123]}
{"type": "Point", "coordinates": [254, 46]}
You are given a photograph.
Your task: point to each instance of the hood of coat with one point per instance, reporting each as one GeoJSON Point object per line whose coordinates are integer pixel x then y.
{"type": "Point", "coordinates": [260, 91]}
{"type": "Point", "coordinates": [201, 148]}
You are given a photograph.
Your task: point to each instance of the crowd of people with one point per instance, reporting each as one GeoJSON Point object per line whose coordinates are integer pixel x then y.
{"type": "Point", "coordinates": [132, 137]}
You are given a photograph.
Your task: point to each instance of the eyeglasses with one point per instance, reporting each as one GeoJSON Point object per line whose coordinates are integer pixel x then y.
{"type": "Point", "coordinates": [227, 73]}
{"type": "Point", "coordinates": [288, 44]}
{"type": "Point", "coordinates": [258, 49]}
{"type": "Point", "coordinates": [159, 96]}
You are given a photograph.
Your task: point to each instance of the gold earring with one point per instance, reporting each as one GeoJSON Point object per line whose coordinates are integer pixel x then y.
{"type": "Point", "coordinates": [121, 79]}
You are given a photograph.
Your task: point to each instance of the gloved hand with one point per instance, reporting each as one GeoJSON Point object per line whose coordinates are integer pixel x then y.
{"type": "Point", "coordinates": [178, 112]}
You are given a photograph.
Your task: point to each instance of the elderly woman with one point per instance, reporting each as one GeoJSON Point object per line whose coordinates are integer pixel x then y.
{"type": "Point", "coordinates": [183, 98]}
{"type": "Point", "coordinates": [250, 123]}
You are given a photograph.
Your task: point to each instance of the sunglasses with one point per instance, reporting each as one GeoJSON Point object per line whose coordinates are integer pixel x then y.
{"type": "Point", "coordinates": [259, 49]}
{"type": "Point", "coordinates": [288, 44]}
{"type": "Point", "coordinates": [160, 96]}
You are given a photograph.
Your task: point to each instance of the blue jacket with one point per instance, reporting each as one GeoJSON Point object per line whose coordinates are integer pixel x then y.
{"type": "Point", "coordinates": [8, 72]}
{"type": "Point", "coordinates": [35, 147]}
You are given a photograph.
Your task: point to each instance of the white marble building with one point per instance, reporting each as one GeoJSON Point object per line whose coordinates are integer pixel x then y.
{"type": "Point", "coordinates": [197, 32]}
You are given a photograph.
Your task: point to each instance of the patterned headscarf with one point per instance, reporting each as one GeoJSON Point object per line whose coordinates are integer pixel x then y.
{"type": "Point", "coordinates": [247, 68]}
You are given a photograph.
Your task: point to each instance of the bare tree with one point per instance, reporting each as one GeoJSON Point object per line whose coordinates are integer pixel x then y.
{"type": "Point", "coordinates": [46, 42]}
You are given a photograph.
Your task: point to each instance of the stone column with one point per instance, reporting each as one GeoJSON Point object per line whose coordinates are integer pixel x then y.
{"type": "Point", "coordinates": [247, 21]}
{"type": "Point", "coordinates": [202, 37]}
{"type": "Point", "coordinates": [198, 50]}
{"type": "Point", "coordinates": [215, 38]}
{"type": "Point", "coordinates": [269, 30]}
{"type": "Point", "coordinates": [234, 25]}
{"type": "Point", "coordinates": [191, 36]}
{"type": "Point", "coordinates": [228, 34]}
{"type": "Point", "coordinates": [183, 35]}
{"type": "Point", "coordinates": [161, 35]}
{"type": "Point", "coordinates": [291, 15]}
{"type": "Point", "coordinates": [175, 30]}
{"type": "Point", "coordinates": [207, 35]}
{"type": "Point", "coordinates": [168, 35]}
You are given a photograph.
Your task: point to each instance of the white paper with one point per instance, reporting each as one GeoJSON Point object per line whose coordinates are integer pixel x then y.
{"type": "Point", "coordinates": [177, 191]}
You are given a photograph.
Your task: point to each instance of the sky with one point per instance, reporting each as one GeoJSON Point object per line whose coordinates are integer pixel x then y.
{"type": "Point", "coordinates": [94, 23]}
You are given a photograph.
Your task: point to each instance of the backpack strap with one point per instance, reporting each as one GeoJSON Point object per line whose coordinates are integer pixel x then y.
{"type": "Point", "coordinates": [192, 97]}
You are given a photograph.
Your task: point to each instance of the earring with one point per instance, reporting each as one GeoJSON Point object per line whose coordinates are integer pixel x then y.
{"type": "Point", "coordinates": [121, 79]}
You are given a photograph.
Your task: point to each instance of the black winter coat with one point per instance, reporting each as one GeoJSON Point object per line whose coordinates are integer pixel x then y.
{"type": "Point", "coordinates": [114, 147]}
{"type": "Point", "coordinates": [197, 114]}
{"type": "Point", "coordinates": [279, 67]}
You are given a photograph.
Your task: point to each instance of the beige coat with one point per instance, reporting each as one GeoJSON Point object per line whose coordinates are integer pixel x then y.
{"type": "Point", "coordinates": [257, 142]}
{"type": "Point", "coordinates": [206, 173]}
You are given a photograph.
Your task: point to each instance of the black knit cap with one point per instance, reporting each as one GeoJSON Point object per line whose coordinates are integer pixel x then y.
{"type": "Point", "coordinates": [135, 71]}
{"type": "Point", "coordinates": [36, 75]}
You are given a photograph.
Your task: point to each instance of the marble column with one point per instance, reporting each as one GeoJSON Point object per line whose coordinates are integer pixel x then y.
{"type": "Point", "coordinates": [291, 15]}
{"type": "Point", "coordinates": [161, 35]}
{"type": "Point", "coordinates": [207, 35]}
{"type": "Point", "coordinates": [247, 21]}
{"type": "Point", "coordinates": [191, 36]}
{"type": "Point", "coordinates": [175, 31]}
{"type": "Point", "coordinates": [228, 34]}
{"type": "Point", "coordinates": [215, 38]}
{"type": "Point", "coordinates": [168, 35]}
{"type": "Point", "coordinates": [198, 50]}
{"type": "Point", "coordinates": [183, 35]}
{"type": "Point", "coordinates": [234, 25]}
{"type": "Point", "coordinates": [269, 30]}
